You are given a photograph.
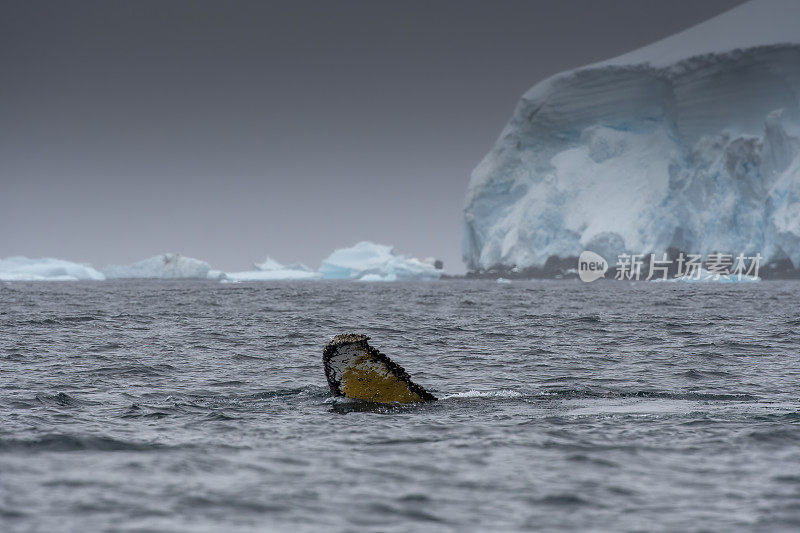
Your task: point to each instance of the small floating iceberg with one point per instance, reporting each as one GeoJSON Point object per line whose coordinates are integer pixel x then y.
{"type": "Point", "coordinates": [164, 266]}
{"type": "Point", "coordinates": [45, 269]}
{"type": "Point", "coordinates": [271, 270]}
{"type": "Point", "coordinates": [367, 261]}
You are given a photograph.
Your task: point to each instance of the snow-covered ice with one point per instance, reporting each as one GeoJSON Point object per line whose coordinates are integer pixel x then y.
{"type": "Point", "coordinates": [368, 261]}
{"type": "Point", "coordinates": [692, 142]}
{"type": "Point", "coordinates": [45, 269]}
{"type": "Point", "coordinates": [363, 262]}
{"type": "Point", "coordinates": [271, 270]}
{"type": "Point", "coordinates": [270, 265]}
{"type": "Point", "coordinates": [164, 266]}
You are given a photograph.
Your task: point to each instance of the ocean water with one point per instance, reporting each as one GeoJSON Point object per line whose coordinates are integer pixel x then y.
{"type": "Point", "coordinates": [199, 406]}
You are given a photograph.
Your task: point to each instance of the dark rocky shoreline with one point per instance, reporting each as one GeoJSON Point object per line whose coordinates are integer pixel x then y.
{"type": "Point", "coordinates": [566, 268]}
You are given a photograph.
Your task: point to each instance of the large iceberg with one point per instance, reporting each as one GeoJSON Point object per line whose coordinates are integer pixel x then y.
{"type": "Point", "coordinates": [45, 269]}
{"type": "Point", "coordinates": [271, 270]}
{"type": "Point", "coordinates": [367, 261]}
{"type": "Point", "coordinates": [691, 143]}
{"type": "Point", "coordinates": [164, 266]}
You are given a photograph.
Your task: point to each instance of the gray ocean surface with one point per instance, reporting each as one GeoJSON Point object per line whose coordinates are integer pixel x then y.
{"type": "Point", "coordinates": [200, 406]}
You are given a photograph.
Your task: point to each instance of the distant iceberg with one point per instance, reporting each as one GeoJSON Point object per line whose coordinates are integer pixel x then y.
{"type": "Point", "coordinates": [271, 270]}
{"type": "Point", "coordinates": [45, 269]}
{"type": "Point", "coordinates": [164, 266]}
{"type": "Point", "coordinates": [363, 262]}
{"type": "Point", "coordinates": [368, 261]}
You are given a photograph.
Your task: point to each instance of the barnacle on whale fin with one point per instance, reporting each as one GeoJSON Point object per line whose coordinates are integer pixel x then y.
{"type": "Point", "coordinates": [355, 369]}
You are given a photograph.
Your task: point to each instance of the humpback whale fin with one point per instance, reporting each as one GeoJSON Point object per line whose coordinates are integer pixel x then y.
{"type": "Point", "coordinates": [355, 369]}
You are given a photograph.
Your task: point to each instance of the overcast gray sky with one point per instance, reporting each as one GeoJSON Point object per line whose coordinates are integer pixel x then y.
{"type": "Point", "coordinates": [229, 131]}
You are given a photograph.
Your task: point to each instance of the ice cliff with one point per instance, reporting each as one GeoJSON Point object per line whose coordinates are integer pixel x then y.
{"type": "Point", "coordinates": [691, 143]}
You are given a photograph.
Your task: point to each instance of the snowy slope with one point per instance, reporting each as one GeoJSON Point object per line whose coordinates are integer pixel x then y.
{"type": "Point", "coordinates": [692, 142]}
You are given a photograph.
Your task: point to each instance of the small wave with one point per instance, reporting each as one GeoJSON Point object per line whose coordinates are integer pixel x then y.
{"type": "Point", "coordinates": [244, 357]}
{"type": "Point", "coordinates": [344, 400]}
{"type": "Point", "coordinates": [341, 400]}
{"type": "Point", "coordinates": [732, 397]}
{"type": "Point", "coordinates": [11, 514]}
{"type": "Point", "coordinates": [685, 333]}
{"type": "Point", "coordinates": [238, 504]}
{"type": "Point", "coordinates": [14, 355]}
{"type": "Point", "coordinates": [562, 500]}
{"type": "Point", "coordinates": [71, 443]}
{"type": "Point", "coordinates": [708, 344]}
{"type": "Point", "coordinates": [308, 390]}
{"type": "Point", "coordinates": [136, 411]}
{"type": "Point", "coordinates": [61, 399]}
{"type": "Point", "coordinates": [589, 459]}
{"type": "Point", "coordinates": [134, 370]}
{"type": "Point", "coordinates": [344, 405]}
{"type": "Point", "coordinates": [219, 415]}
{"type": "Point", "coordinates": [503, 393]}
{"type": "Point", "coordinates": [60, 321]}
{"type": "Point", "coordinates": [79, 318]}
{"type": "Point", "coordinates": [105, 347]}
{"type": "Point", "coordinates": [778, 436]}
{"type": "Point", "coordinates": [230, 383]}
{"type": "Point", "coordinates": [698, 374]}
{"type": "Point", "coordinates": [771, 417]}
{"type": "Point", "coordinates": [652, 394]}
{"type": "Point", "coordinates": [403, 441]}
{"type": "Point", "coordinates": [131, 317]}
{"type": "Point", "coordinates": [42, 322]}
{"type": "Point", "coordinates": [788, 478]}
{"type": "Point", "coordinates": [664, 303]}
